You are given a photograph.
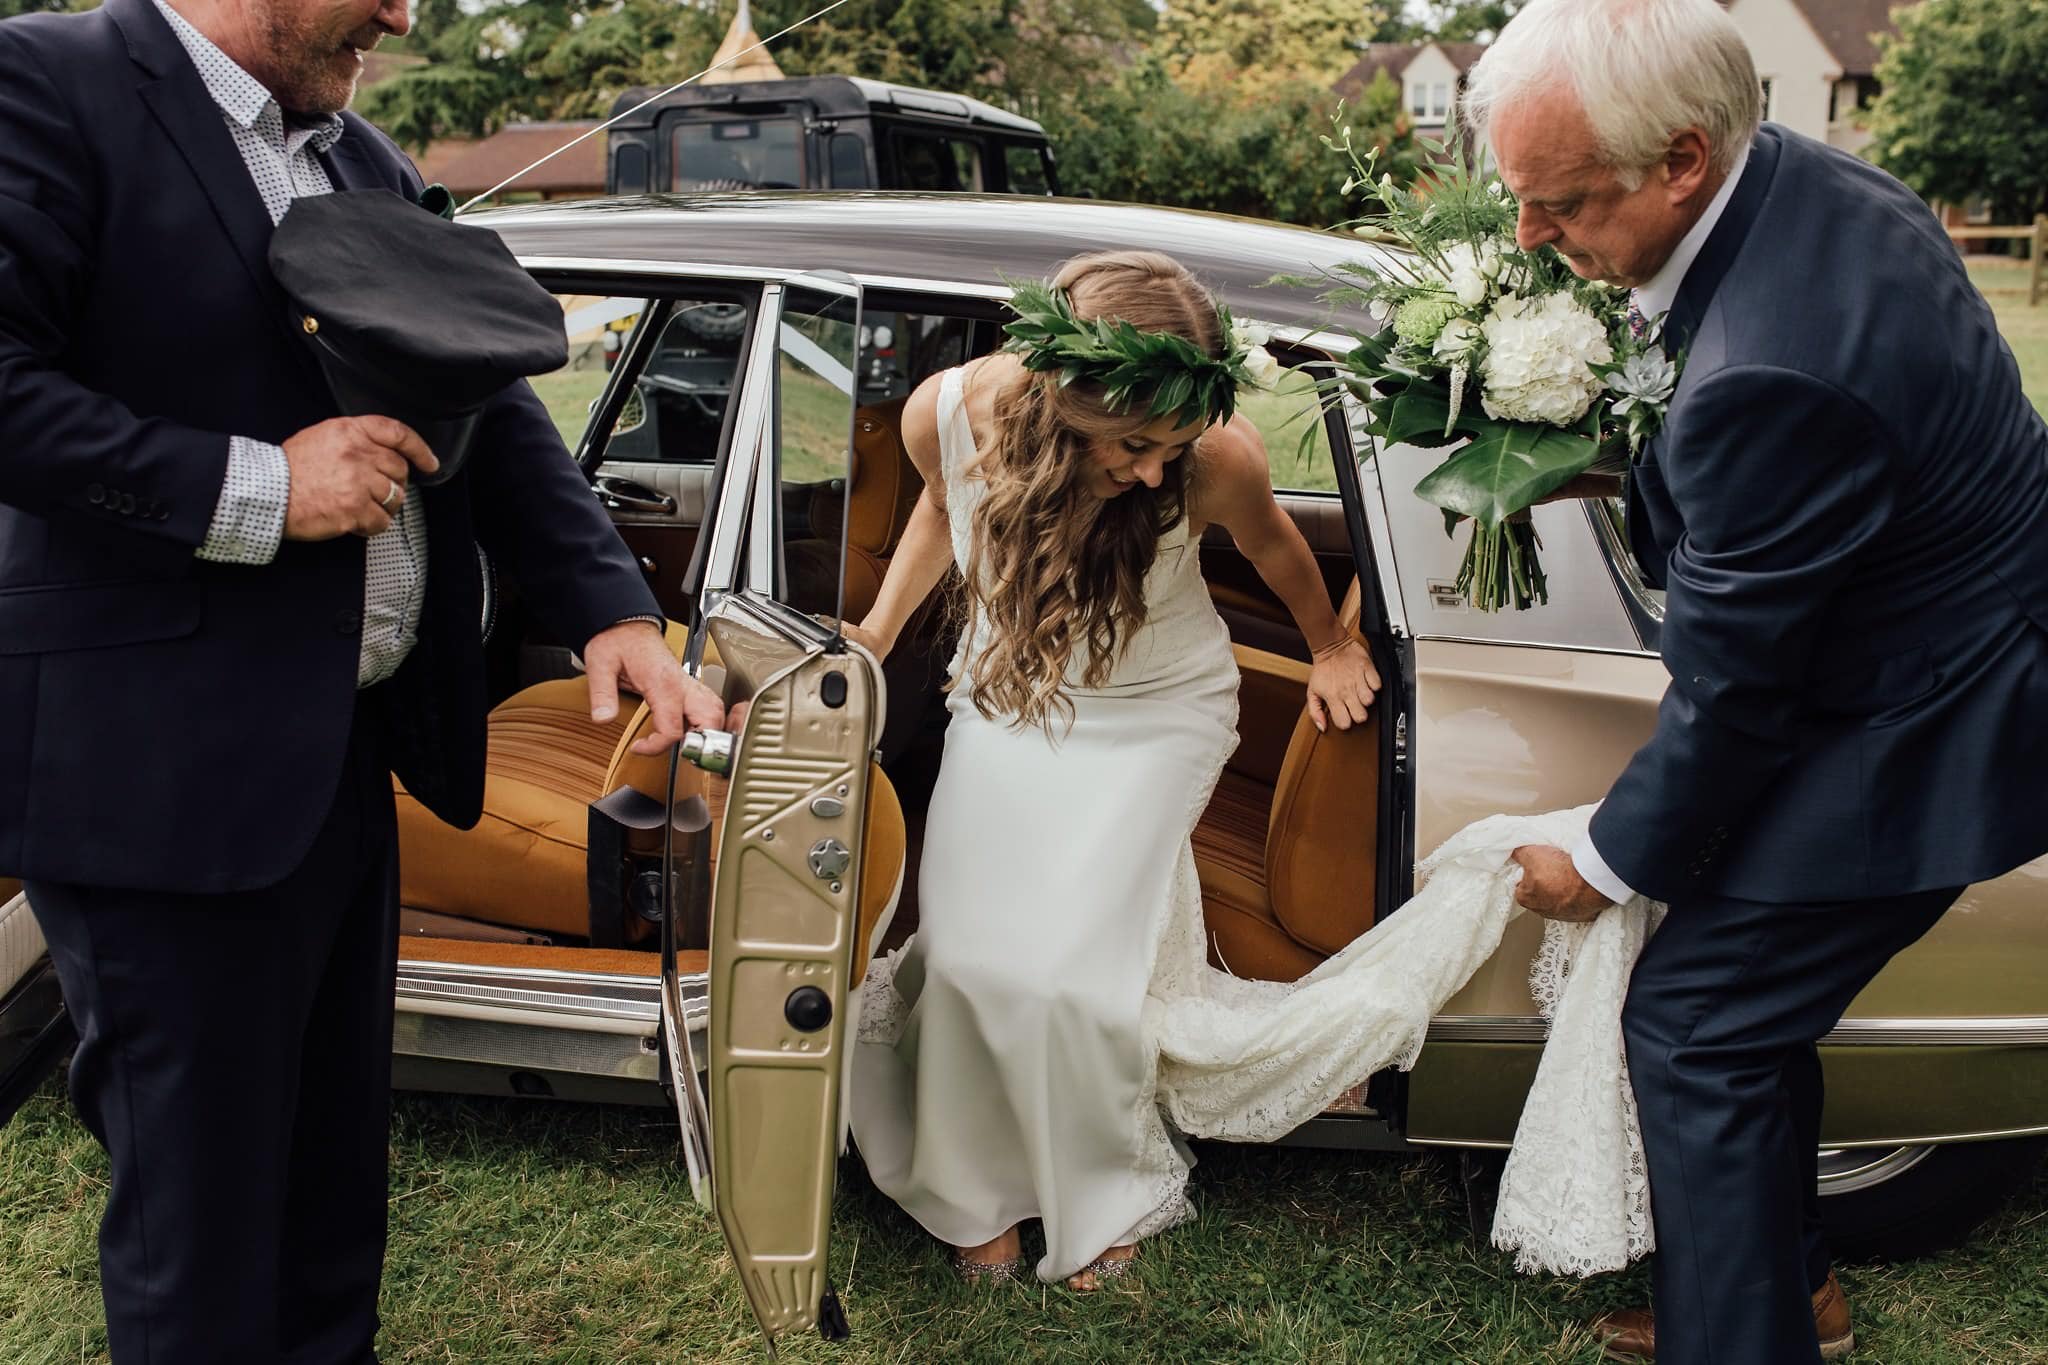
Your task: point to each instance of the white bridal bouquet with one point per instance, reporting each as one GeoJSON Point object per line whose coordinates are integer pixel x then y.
{"type": "Point", "coordinates": [1536, 371]}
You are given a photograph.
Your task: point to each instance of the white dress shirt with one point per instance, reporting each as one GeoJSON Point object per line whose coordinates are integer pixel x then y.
{"type": "Point", "coordinates": [1653, 299]}
{"type": "Point", "coordinates": [248, 522]}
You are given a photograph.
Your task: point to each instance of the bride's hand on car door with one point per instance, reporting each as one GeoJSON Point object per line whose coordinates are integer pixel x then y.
{"type": "Point", "coordinates": [869, 640]}
{"type": "Point", "coordinates": [1341, 686]}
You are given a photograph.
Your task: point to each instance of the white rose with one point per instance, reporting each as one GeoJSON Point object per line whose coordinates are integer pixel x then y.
{"type": "Point", "coordinates": [1468, 271]}
{"type": "Point", "coordinates": [1539, 358]}
{"type": "Point", "coordinates": [1457, 338]}
{"type": "Point", "coordinates": [1251, 333]}
{"type": "Point", "coordinates": [1264, 369]}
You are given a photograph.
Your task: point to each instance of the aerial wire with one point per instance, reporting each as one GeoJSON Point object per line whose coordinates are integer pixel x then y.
{"type": "Point", "coordinates": [652, 99]}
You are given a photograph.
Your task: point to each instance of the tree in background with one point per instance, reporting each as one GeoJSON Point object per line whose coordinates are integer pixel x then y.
{"type": "Point", "coordinates": [1014, 52]}
{"type": "Point", "coordinates": [533, 59]}
{"type": "Point", "coordinates": [1463, 21]}
{"type": "Point", "coordinates": [1964, 103]}
{"type": "Point", "coordinates": [1293, 40]}
{"type": "Point", "coordinates": [538, 59]}
{"type": "Point", "coordinates": [10, 8]}
{"type": "Point", "coordinates": [1218, 104]}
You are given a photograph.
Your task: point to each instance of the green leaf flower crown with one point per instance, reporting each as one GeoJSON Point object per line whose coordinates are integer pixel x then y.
{"type": "Point", "coordinates": [1132, 366]}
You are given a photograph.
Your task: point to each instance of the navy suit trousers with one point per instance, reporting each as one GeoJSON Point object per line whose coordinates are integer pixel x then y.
{"type": "Point", "coordinates": [1724, 1010]}
{"type": "Point", "coordinates": [234, 1058]}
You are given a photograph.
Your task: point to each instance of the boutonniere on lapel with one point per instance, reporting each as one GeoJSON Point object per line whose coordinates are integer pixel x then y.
{"type": "Point", "coordinates": [1640, 381]}
{"type": "Point", "coordinates": [1525, 374]}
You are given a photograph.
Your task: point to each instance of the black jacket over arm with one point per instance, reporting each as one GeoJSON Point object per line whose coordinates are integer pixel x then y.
{"type": "Point", "coordinates": [165, 722]}
{"type": "Point", "coordinates": [1848, 509]}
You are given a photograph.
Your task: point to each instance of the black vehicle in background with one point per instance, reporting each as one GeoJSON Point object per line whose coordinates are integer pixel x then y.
{"type": "Point", "coordinates": [799, 133]}
{"type": "Point", "coordinates": [824, 133]}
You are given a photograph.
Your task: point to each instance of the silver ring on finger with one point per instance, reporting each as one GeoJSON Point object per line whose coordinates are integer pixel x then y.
{"type": "Point", "coordinates": [393, 495]}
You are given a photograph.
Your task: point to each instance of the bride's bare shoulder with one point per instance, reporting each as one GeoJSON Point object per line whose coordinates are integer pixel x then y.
{"type": "Point", "coordinates": [982, 381]}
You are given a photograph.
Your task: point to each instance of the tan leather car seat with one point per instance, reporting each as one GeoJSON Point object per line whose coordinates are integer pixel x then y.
{"type": "Point", "coordinates": [883, 489]}
{"type": "Point", "coordinates": [524, 864]}
{"type": "Point", "coordinates": [1287, 855]}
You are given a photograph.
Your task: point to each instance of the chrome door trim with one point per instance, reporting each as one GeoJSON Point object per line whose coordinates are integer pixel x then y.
{"type": "Point", "coordinates": [1645, 612]}
{"type": "Point", "coordinates": [606, 265]}
{"type": "Point", "coordinates": [1609, 650]}
{"type": "Point", "coordinates": [598, 1000]}
{"type": "Point", "coordinates": [1929, 1140]}
{"type": "Point", "coordinates": [1981, 1031]}
{"type": "Point", "coordinates": [1381, 531]}
{"type": "Point", "coordinates": [751, 436]}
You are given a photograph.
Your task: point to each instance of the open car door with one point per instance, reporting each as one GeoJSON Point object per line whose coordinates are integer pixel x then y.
{"type": "Point", "coordinates": [788, 827]}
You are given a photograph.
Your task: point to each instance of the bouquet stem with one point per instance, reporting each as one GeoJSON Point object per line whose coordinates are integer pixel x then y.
{"type": "Point", "coordinates": [1501, 567]}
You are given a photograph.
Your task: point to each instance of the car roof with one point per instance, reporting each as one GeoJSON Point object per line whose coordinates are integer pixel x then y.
{"type": "Point", "coordinates": [940, 241]}
{"type": "Point", "coordinates": [833, 97]}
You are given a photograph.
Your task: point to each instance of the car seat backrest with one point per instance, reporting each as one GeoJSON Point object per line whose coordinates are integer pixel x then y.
{"type": "Point", "coordinates": [885, 483]}
{"type": "Point", "coordinates": [1321, 840]}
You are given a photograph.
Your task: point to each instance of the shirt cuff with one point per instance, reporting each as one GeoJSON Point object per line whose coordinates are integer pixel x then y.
{"type": "Point", "coordinates": [1598, 874]}
{"type": "Point", "coordinates": [248, 521]}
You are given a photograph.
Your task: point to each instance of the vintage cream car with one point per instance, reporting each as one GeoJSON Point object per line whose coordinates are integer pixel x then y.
{"type": "Point", "coordinates": [687, 931]}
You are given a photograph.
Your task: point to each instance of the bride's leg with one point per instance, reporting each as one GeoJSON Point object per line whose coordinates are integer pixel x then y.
{"type": "Point", "coordinates": [1110, 1264]}
{"type": "Point", "coordinates": [999, 1259]}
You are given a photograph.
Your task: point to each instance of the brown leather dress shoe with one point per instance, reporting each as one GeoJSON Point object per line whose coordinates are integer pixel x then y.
{"type": "Point", "coordinates": [1631, 1334]}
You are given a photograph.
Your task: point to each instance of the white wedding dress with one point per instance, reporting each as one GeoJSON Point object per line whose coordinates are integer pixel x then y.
{"type": "Point", "coordinates": [1040, 1045]}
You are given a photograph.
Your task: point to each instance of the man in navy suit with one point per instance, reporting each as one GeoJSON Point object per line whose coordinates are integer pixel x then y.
{"type": "Point", "coordinates": [1848, 512]}
{"type": "Point", "coordinates": [227, 613]}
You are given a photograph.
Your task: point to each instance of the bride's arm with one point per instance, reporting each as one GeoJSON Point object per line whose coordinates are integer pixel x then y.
{"type": "Point", "coordinates": [1235, 491]}
{"type": "Point", "coordinates": [925, 551]}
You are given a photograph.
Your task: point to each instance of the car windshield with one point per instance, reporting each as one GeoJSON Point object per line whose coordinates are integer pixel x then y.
{"type": "Point", "coordinates": [759, 153]}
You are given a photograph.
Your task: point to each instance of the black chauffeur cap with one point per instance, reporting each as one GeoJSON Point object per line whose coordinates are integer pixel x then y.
{"type": "Point", "coordinates": [412, 316]}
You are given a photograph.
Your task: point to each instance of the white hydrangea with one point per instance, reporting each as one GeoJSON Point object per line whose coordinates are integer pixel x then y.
{"type": "Point", "coordinates": [1539, 354]}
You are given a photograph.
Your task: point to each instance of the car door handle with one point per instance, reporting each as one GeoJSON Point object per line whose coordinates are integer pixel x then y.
{"type": "Point", "coordinates": [710, 750]}
{"type": "Point", "coordinates": [629, 495]}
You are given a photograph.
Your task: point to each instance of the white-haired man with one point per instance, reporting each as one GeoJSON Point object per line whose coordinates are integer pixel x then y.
{"type": "Point", "coordinates": [1848, 509]}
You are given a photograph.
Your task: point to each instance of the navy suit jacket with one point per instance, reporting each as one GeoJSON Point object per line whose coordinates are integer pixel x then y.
{"type": "Point", "coordinates": [167, 723]}
{"type": "Point", "coordinates": [1848, 509]}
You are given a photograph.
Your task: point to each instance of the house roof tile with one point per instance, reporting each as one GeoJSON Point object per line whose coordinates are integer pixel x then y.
{"type": "Point", "coordinates": [1846, 26]}
{"type": "Point", "coordinates": [1393, 58]}
{"type": "Point", "coordinates": [468, 166]}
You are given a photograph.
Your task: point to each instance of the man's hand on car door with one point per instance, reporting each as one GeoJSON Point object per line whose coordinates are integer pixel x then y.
{"type": "Point", "coordinates": [634, 655]}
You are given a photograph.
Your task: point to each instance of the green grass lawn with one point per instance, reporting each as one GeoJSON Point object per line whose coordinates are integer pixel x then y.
{"type": "Point", "coordinates": [534, 1232]}
{"type": "Point", "coordinates": [2004, 283]}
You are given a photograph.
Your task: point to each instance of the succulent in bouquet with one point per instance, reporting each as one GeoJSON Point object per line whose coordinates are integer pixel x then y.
{"type": "Point", "coordinates": [1523, 373]}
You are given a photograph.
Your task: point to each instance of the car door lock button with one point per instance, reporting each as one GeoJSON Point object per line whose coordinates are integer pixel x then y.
{"type": "Point", "coordinates": [808, 1009]}
{"type": "Point", "coordinates": [828, 807]}
{"type": "Point", "coordinates": [832, 689]}
{"type": "Point", "coordinates": [830, 859]}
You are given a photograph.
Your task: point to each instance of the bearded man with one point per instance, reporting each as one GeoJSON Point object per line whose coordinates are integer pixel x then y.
{"type": "Point", "coordinates": [226, 615]}
{"type": "Point", "coordinates": [1848, 511]}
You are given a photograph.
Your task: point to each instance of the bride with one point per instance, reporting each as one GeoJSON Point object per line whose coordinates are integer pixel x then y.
{"type": "Point", "coordinates": [1009, 1067]}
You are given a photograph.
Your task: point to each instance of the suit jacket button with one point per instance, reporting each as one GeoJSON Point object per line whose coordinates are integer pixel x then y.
{"type": "Point", "coordinates": [95, 494]}
{"type": "Point", "coordinates": [127, 508]}
{"type": "Point", "coordinates": [161, 512]}
{"type": "Point", "coordinates": [348, 622]}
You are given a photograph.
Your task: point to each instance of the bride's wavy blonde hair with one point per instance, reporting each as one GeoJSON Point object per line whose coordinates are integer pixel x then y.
{"type": "Point", "coordinates": [1055, 570]}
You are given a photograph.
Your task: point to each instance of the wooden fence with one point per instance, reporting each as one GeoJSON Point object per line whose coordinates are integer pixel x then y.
{"type": "Point", "coordinates": [2037, 279]}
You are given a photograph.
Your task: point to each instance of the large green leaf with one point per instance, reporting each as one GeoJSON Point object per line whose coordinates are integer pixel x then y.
{"type": "Point", "coordinates": [1505, 468]}
{"type": "Point", "coordinates": [1417, 414]}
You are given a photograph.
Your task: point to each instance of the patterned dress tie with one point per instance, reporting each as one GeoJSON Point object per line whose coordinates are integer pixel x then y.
{"type": "Point", "coordinates": [1638, 325]}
